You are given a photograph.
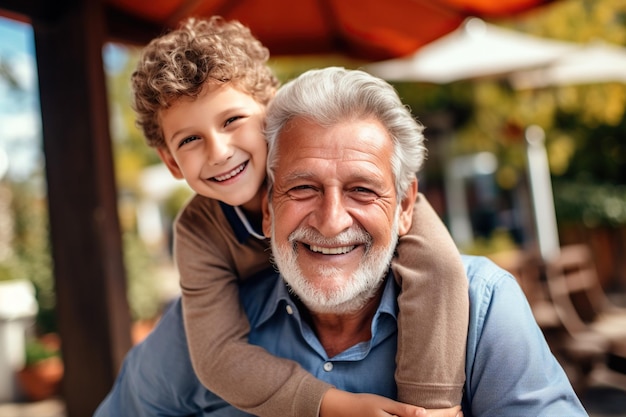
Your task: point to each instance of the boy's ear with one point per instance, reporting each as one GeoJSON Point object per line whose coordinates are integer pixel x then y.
{"type": "Point", "coordinates": [267, 220]}
{"type": "Point", "coordinates": [170, 162]}
{"type": "Point", "coordinates": [406, 211]}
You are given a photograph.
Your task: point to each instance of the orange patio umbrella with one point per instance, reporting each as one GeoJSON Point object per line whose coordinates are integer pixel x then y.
{"type": "Point", "coordinates": [363, 29]}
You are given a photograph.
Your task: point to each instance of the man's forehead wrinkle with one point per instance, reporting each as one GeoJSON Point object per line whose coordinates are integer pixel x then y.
{"type": "Point", "coordinates": [332, 153]}
{"type": "Point", "coordinates": [296, 175]}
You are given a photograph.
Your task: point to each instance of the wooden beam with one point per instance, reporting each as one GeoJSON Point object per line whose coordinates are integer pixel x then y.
{"type": "Point", "coordinates": [125, 28]}
{"type": "Point", "coordinates": [35, 9]}
{"type": "Point", "coordinates": [92, 308]}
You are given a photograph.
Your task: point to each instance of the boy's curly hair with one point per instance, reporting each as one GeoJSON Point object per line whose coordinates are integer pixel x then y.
{"type": "Point", "coordinates": [180, 62]}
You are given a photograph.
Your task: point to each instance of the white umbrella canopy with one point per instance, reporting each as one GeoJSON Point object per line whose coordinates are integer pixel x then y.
{"type": "Point", "coordinates": [593, 63]}
{"type": "Point", "coordinates": [476, 49]}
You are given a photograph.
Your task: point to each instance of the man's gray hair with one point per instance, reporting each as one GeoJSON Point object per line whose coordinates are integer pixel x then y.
{"type": "Point", "coordinates": [334, 95]}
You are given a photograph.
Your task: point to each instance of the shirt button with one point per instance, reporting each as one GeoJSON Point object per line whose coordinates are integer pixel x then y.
{"type": "Point", "coordinates": [289, 310]}
{"type": "Point", "coordinates": [328, 366]}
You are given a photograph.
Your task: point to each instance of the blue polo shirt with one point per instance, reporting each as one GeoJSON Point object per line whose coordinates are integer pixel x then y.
{"type": "Point", "coordinates": [510, 370]}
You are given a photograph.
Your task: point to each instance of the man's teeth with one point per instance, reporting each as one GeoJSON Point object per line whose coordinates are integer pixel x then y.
{"type": "Point", "coordinates": [231, 173]}
{"type": "Point", "coordinates": [331, 251]}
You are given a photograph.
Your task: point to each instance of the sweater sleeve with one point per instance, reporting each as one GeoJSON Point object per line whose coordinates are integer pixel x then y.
{"type": "Point", "coordinates": [210, 261]}
{"type": "Point", "coordinates": [433, 313]}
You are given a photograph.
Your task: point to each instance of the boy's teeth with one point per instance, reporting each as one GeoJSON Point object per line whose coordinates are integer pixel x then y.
{"type": "Point", "coordinates": [331, 251]}
{"type": "Point", "coordinates": [230, 174]}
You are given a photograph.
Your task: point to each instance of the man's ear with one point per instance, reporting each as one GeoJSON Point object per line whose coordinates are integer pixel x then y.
{"type": "Point", "coordinates": [267, 219]}
{"type": "Point", "coordinates": [406, 210]}
{"type": "Point", "coordinates": [170, 162]}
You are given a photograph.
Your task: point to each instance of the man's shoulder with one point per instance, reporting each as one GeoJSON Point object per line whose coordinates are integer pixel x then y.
{"type": "Point", "coordinates": [484, 275]}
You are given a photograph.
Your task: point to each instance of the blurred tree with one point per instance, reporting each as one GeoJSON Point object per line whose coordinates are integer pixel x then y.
{"type": "Point", "coordinates": [583, 123]}
{"type": "Point", "coordinates": [132, 154]}
{"type": "Point", "coordinates": [30, 258]}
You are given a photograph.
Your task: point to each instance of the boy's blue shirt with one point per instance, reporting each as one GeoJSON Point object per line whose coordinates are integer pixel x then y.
{"type": "Point", "coordinates": [241, 233]}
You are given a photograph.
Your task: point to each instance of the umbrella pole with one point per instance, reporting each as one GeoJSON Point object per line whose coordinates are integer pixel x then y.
{"type": "Point", "coordinates": [541, 192]}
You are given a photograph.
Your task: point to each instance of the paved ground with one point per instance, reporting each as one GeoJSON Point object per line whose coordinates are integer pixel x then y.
{"type": "Point", "coordinates": [48, 408]}
{"type": "Point", "coordinates": [605, 402]}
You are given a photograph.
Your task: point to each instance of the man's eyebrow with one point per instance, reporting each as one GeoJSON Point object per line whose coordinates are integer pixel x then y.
{"type": "Point", "coordinates": [298, 175]}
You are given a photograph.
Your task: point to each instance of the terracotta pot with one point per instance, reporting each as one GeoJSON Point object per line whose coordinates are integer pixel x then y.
{"type": "Point", "coordinates": [41, 380]}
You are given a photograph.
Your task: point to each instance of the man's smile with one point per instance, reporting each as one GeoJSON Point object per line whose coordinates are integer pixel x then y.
{"type": "Point", "coordinates": [331, 251]}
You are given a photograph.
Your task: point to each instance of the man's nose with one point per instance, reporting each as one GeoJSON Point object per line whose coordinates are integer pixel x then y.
{"type": "Point", "coordinates": [218, 149]}
{"type": "Point", "coordinates": [331, 216]}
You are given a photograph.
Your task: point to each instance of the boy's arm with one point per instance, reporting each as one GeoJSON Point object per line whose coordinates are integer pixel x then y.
{"type": "Point", "coordinates": [348, 404]}
{"type": "Point", "coordinates": [210, 259]}
{"type": "Point", "coordinates": [433, 313]}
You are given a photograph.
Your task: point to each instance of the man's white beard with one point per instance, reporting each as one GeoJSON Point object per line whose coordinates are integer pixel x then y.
{"type": "Point", "coordinates": [344, 297]}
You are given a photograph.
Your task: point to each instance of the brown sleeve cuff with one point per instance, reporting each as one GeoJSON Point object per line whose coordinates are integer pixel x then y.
{"type": "Point", "coordinates": [309, 396]}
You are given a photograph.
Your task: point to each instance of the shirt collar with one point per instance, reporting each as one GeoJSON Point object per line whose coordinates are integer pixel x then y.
{"type": "Point", "coordinates": [279, 296]}
{"type": "Point", "coordinates": [241, 233]}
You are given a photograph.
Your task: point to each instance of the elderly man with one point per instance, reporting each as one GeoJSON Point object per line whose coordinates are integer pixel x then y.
{"type": "Point", "coordinates": [341, 189]}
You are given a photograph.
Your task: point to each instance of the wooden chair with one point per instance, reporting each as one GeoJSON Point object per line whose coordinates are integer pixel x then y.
{"type": "Point", "coordinates": [596, 327]}
{"type": "Point", "coordinates": [528, 269]}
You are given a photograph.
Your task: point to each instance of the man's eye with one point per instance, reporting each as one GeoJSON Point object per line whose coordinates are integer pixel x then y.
{"type": "Point", "coordinates": [188, 140]}
{"type": "Point", "coordinates": [364, 194]}
{"type": "Point", "coordinates": [302, 191]}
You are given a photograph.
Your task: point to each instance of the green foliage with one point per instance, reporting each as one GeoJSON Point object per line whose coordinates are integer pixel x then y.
{"type": "Point", "coordinates": [287, 68]}
{"type": "Point", "coordinates": [37, 351]}
{"type": "Point", "coordinates": [577, 21]}
{"type": "Point", "coordinates": [591, 204]}
{"type": "Point", "coordinates": [142, 288]}
{"type": "Point", "coordinates": [31, 257]}
{"type": "Point", "coordinates": [131, 153]}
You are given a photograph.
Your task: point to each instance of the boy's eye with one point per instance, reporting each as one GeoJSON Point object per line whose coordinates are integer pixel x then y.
{"type": "Point", "coordinates": [231, 120]}
{"type": "Point", "coordinates": [187, 140]}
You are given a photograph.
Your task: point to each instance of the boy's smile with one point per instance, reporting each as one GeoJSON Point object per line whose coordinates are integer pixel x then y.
{"type": "Point", "coordinates": [231, 174]}
{"type": "Point", "coordinates": [215, 142]}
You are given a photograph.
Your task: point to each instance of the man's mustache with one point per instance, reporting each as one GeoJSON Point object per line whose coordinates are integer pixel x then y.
{"type": "Point", "coordinates": [356, 235]}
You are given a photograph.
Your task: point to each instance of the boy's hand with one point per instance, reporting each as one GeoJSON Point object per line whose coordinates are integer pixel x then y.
{"type": "Point", "coordinates": [338, 403]}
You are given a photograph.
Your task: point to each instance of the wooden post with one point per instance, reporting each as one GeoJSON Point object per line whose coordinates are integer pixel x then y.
{"type": "Point", "coordinates": [92, 308]}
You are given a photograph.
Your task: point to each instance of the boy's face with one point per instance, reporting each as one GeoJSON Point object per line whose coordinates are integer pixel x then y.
{"type": "Point", "coordinates": [215, 142]}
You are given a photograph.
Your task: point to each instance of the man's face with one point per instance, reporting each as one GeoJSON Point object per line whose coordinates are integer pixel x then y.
{"type": "Point", "coordinates": [335, 212]}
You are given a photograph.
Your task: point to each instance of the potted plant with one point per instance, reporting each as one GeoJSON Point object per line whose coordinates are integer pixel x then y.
{"type": "Point", "coordinates": [41, 376]}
